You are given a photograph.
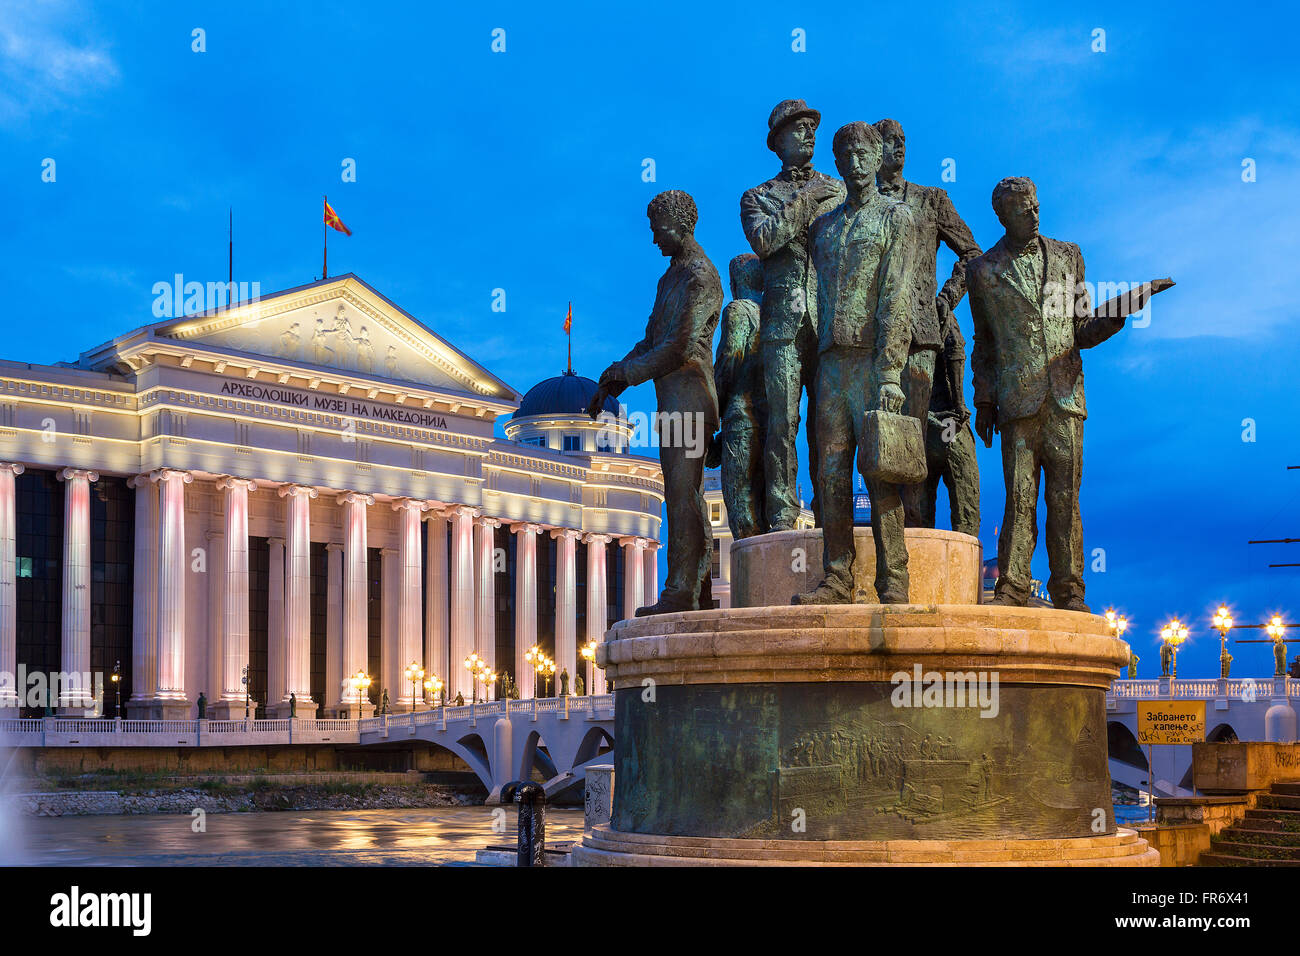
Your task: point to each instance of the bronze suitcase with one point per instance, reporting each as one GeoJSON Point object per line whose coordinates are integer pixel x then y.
{"type": "Point", "coordinates": [891, 448]}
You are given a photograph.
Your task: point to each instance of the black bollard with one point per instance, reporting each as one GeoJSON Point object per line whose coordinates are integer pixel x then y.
{"type": "Point", "coordinates": [531, 798]}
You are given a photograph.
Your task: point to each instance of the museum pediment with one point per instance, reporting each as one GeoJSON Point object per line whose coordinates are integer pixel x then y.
{"type": "Point", "coordinates": [342, 325]}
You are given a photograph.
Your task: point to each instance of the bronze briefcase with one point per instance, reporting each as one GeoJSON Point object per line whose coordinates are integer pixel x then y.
{"type": "Point", "coordinates": [891, 449]}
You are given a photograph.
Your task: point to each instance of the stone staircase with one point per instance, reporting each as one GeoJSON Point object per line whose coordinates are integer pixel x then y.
{"type": "Point", "coordinates": [1268, 835]}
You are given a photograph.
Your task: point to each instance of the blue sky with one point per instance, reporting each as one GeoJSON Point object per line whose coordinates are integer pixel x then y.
{"type": "Point", "coordinates": [522, 171]}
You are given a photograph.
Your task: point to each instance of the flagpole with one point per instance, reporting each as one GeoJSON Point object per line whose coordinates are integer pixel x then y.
{"type": "Point", "coordinates": [569, 335]}
{"type": "Point", "coordinates": [325, 230]}
{"type": "Point", "coordinates": [230, 260]}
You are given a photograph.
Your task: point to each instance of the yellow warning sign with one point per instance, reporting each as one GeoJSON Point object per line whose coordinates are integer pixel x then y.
{"type": "Point", "coordinates": [1171, 721]}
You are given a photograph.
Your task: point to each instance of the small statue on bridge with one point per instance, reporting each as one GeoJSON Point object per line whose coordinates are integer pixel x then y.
{"type": "Point", "coordinates": [460, 699]}
{"type": "Point", "coordinates": [1279, 657]}
{"type": "Point", "coordinates": [384, 702]}
{"type": "Point", "coordinates": [1166, 659]}
{"type": "Point", "coordinates": [564, 682]}
{"type": "Point", "coordinates": [293, 705]}
{"type": "Point", "coordinates": [1132, 665]}
{"type": "Point", "coordinates": [1225, 663]}
{"type": "Point", "coordinates": [577, 684]}
{"type": "Point", "coordinates": [203, 706]}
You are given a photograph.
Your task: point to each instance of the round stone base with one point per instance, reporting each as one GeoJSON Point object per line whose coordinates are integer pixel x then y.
{"type": "Point", "coordinates": [606, 847]}
{"type": "Point", "coordinates": [943, 567]}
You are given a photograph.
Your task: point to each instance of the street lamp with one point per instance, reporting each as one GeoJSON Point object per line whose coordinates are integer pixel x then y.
{"type": "Point", "coordinates": [546, 667]}
{"type": "Point", "coordinates": [588, 652]}
{"type": "Point", "coordinates": [1173, 634]}
{"type": "Point", "coordinates": [117, 689]}
{"type": "Point", "coordinates": [1117, 623]}
{"type": "Point", "coordinates": [361, 681]}
{"type": "Point", "coordinates": [414, 674]}
{"type": "Point", "coordinates": [1222, 622]}
{"type": "Point", "coordinates": [432, 685]}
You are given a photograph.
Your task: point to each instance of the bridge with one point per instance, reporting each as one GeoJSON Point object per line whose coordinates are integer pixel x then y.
{"type": "Point", "coordinates": [501, 740]}
{"type": "Point", "coordinates": [1236, 709]}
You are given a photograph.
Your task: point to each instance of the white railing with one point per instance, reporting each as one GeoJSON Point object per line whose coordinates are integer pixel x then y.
{"type": "Point", "coordinates": [34, 730]}
{"type": "Point", "coordinates": [1246, 688]}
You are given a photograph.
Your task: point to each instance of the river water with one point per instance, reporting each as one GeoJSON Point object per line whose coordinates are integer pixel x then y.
{"type": "Point", "coordinates": [436, 836]}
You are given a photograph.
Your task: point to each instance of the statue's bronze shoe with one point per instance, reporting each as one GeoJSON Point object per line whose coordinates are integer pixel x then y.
{"type": "Point", "coordinates": [823, 594]}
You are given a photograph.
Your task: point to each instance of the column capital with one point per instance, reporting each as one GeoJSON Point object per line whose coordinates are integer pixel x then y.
{"type": "Point", "coordinates": [388, 551]}
{"type": "Point", "coordinates": [169, 474]}
{"type": "Point", "coordinates": [633, 541]}
{"type": "Point", "coordinates": [592, 538]}
{"type": "Point", "coordinates": [16, 467]}
{"type": "Point", "coordinates": [210, 534]}
{"type": "Point", "coordinates": [461, 511]}
{"type": "Point", "coordinates": [230, 483]}
{"type": "Point", "coordinates": [334, 547]}
{"type": "Point", "coordinates": [410, 504]}
{"type": "Point", "coordinates": [489, 522]}
{"type": "Point", "coordinates": [520, 527]}
{"type": "Point", "coordinates": [355, 498]}
{"type": "Point", "coordinates": [570, 533]}
{"type": "Point", "coordinates": [293, 491]}
{"type": "Point", "coordinates": [275, 542]}
{"type": "Point", "coordinates": [69, 474]}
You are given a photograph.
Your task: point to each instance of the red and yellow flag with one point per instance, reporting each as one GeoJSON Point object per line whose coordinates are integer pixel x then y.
{"type": "Point", "coordinates": [333, 221]}
{"type": "Point", "coordinates": [568, 320]}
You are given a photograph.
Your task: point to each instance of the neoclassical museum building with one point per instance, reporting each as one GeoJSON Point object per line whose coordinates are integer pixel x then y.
{"type": "Point", "coordinates": [297, 489]}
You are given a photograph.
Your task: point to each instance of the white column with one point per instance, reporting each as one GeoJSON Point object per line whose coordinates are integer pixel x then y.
{"type": "Point", "coordinates": [566, 606]}
{"type": "Point", "coordinates": [234, 606]}
{"type": "Point", "coordinates": [462, 600]}
{"type": "Point", "coordinates": [144, 609]}
{"type": "Point", "coordinates": [525, 605]}
{"type": "Point", "coordinates": [8, 586]}
{"type": "Point", "coordinates": [485, 618]}
{"type": "Point", "coordinates": [633, 576]}
{"type": "Point", "coordinates": [436, 655]}
{"type": "Point", "coordinates": [410, 631]}
{"type": "Point", "coordinates": [297, 601]}
{"type": "Point", "coordinates": [356, 623]}
{"type": "Point", "coordinates": [390, 665]}
{"type": "Point", "coordinates": [596, 605]}
{"type": "Point", "coordinates": [334, 662]}
{"type": "Point", "coordinates": [74, 662]}
{"type": "Point", "coordinates": [173, 568]}
{"type": "Point", "coordinates": [650, 565]}
{"type": "Point", "coordinates": [275, 679]}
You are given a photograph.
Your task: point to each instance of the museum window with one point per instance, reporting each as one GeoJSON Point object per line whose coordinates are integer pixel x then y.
{"type": "Point", "coordinates": [375, 624]}
{"type": "Point", "coordinates": [715, 512]}
{"type": "Point", "coordinates": [259, 593]}
{"type": "Point", "coordinates": [715, 560]}
{"type": "Point", "coordinates": [318, 575]}
{"type": "Point", "coordinates": [38, 514]}
{"type": "Point", "coordinates": [573, 443]}
{"type": "Point", "coordinates": [112, 563]}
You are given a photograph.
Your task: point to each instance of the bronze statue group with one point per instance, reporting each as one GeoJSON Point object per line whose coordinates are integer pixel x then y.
{"type": "Point", "coordinates": [839, 299]}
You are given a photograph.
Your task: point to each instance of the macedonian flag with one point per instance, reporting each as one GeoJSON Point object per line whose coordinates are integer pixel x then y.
{"type": "Point", "coordinates": [333, 221]}
{"type": "Point", "coordinates": [568, 320]}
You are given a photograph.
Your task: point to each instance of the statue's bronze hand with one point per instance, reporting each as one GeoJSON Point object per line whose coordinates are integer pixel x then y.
{"type": "Point", "coordinates": [986, 423]}
{"type": "Point", "coordinates": [891, 398]}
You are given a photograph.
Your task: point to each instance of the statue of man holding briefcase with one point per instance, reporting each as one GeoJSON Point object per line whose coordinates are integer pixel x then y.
{"type": "Point", "coordinates": [862, 250]}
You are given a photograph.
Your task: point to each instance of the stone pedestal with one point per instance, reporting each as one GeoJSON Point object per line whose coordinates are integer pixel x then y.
{"type": "Point", "coordinates": [944, 567]}
{"type": "Point", "coordinates": [598, 798]}
{"type": "Point", "coordinates": [860, 734]}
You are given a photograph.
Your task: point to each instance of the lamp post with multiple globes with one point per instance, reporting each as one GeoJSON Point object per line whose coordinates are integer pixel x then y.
{"type": "Point", "coordinates": [414, 674]}
{"type": "Point", "coordinates": [1173, 634]}
{"type": "Point", "coordinates": [433, 685]}
{"type": "Point", "coordinates": [361, 682]}
{"type": "Point", "coordinates": [588, 652]}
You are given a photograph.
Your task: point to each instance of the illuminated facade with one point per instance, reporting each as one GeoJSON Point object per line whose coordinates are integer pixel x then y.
{"type": "Point", "coordinates": [300, 488]}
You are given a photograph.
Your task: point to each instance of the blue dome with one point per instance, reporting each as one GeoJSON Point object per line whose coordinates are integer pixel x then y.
{"type": "Point", "coordinates": [566, 394]}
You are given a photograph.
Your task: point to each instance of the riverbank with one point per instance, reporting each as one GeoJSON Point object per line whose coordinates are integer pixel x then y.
{"type": "Point", "coordinates": [107, 793]}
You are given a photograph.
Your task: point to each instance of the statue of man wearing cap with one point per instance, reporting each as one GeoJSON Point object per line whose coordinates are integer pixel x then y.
{"type": "Point", "coordinates": [775, 217]}
{"type": "Point", "coordinates": [677, 353]}
{"type": "Point", "coordinates": [863, 253]}
{"type": "Point", "coordinates": [936, 221]}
